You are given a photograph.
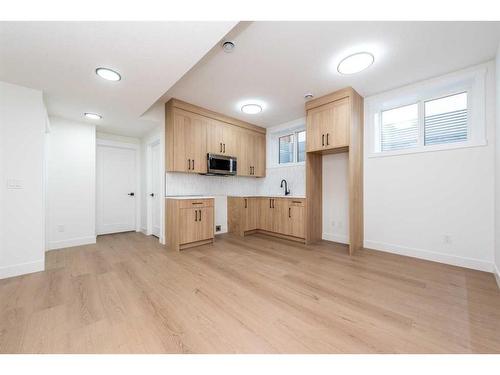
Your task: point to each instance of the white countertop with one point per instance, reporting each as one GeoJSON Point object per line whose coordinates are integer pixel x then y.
{"type": "Point", "coordinates": [190, 197]}
{"type": "Point", "coordinates": [269, 196]}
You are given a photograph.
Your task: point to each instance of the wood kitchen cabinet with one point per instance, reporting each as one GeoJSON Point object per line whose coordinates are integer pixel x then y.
{"type": "Point", "coordinates": [189, 222]}
{"type": "Point", "coordinates": [222, 139]}
{"type": "Point", "coordinates": [191, 132]}
{"type": "Point", "coordinates": [282, 217]}
{"type": "Point", "coordinates": [252, 156]}
{"type": "Point", "coordinates": [328, 126]}
{"type": "Point", "coordinates": [189, 153]}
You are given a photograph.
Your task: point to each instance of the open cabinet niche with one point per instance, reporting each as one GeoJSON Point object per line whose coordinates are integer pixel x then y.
{"type": "Point", "coordinates": [335, 125]}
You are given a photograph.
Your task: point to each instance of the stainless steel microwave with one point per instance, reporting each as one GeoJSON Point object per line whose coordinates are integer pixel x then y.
{"type": "Point", "coordinates": [221, 165]}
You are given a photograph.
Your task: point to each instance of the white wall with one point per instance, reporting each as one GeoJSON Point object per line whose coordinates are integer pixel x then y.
{"type": "Point", "coordinates": [497, 171]}
{"type": "Point", "coordinates": [435, 205]}
{"type": "Point", "coordinates": [23, 121]}
{"type": "Point", "coordinates": [71, 183]}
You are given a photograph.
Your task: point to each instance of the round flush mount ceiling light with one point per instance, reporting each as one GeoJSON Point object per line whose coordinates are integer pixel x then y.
{"type": "Point", "coordinates": [228, 46]}
{"type": "Point", "coordinates": [108, 74]}
{"type": "Point", "coordinates": [92, 116]}
{"type": "Point", "coordinates": [355, 63]}
{"type": "Point", "coordinates": [251, 109]}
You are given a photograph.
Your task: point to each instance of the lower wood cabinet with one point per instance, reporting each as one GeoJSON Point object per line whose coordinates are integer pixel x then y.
{"type": "Point", "coordinates": [284, 217]}
{"type": "Point", "coordinates": [189, 222]}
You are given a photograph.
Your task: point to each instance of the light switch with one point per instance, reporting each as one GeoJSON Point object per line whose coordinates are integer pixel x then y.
{"type": "Point", "coordinates": [14, 184]}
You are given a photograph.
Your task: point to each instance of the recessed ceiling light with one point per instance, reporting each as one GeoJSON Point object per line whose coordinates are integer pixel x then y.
{"type": "Point", "coordinates": [251, 109]}
{"type": "Point", "coordinates": [92, 116]}
{"type": "Point", "coordinates": [108, 74]}
{"type": "Point", "coordinates": [308, 96]}
{"type": "Point", "coordinates": [228, 46]}
{"type": "Point", "coordinates": [355, 63]}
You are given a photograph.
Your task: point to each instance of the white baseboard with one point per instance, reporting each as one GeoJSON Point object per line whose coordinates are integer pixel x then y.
{"type": "Point", "coordinates": [497, 275]}
{"type": "Point", "coordinates": [72, 242]}
{"type": "Point", "coordinates": [22, 269]}
{"type": "Point", "coordinates": [475, 264]}
{"type": "Point", "coordinates": [340, 238]}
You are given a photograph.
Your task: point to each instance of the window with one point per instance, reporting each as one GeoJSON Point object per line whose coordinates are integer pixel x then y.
{"type": "Point", "coordinates": [443, 113]}
{"type": "Point", "coordinates": [445, 119]}
{"type": "Point", "coordinates": [292, 147]}
{"type": "Point", "coordinates": [399, 128]}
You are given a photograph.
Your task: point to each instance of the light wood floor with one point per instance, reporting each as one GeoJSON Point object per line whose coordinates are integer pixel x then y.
{"type": "Point", "coordinates": [127, 294]}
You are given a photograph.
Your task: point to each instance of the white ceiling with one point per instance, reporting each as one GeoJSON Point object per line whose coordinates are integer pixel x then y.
{"type": "Point", "coordinates": [60, 58]}
{"type": "Point", "coordinates": [278, 62]}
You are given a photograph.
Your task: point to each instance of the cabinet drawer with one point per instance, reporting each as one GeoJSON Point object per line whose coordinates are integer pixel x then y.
{"type": "Point", "coordinates": [196, 203]}
{"type": "Point", "coordinates": [296, 202]}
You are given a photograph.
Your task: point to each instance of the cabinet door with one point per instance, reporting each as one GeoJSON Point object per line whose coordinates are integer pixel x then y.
{"type": "Point", "coordinates": [281, 222]}
{"type": "Point", "coordinates": [315, 124]}
{"type": "Point", "coordinates": [205, 223]}
{"type": "Point", "coordinates": [215, 138]}
{"type": "Point", "coordinates": [245, 153]}
{"type": "Point", "coordinates": [297, 223]}
{"type": "Point", "coordinates": [259, 155]}
{"type": "Point", "coordinates": [251, 213]}
{"type": "Point", "coordinates": [336, 124]}
{"type": "Point", "coordinates": [266, 214]}
{"type": "Point", "coordinates": [230, 143]}
{"type": "Point", "coordinates": [188, 225]}
{"type": "Point", "coordinates": [190, 147]}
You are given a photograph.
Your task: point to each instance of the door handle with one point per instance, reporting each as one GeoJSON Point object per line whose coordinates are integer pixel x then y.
{"type": "Point", "coordinates": [270, 203]}
{"type": "Point", "coordinates": [200, 216]}
{"type": "Point", "coordinates": [327, 143]}
{"type": "Point", "coordinates": [189, 164]}
{"type": "Point", "coordinates": [245, 203]}
{"type": "Point", "coordinates": [224, 147]}
{"type": "Point", "coordinates": [131, 194]}
{"type": "Point", "coordinates": [152, 194]}
{"type": "Point", "coordinates": [195, 215]}
{"type": "Point", "coordinates": [273, 202]}
{"type": "Point", "coordinates": [322, 139]}
{"type": "Point", "coordinates": [290, 212]}
{"type": "Point", "coordinates": [221, 147]}
{"type": "Point", "coordinates": [193, 165]}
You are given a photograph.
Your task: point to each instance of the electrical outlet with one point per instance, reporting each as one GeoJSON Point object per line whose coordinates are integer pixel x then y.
{"type": "Point", "coordinates": [447, 239]}
{"type": "Point", "coordinates": [60, 228]}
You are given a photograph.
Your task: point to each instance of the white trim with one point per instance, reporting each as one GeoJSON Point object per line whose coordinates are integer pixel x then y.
{"type": "Point", "coordinates": [340, 238]}
{"type": "Point", "coordinates": [110, 143]}
{"type": "Point", "coordinates": [496, 272]}
{"type": "Point", "coordinates": [476, 264]}
{"type": "Point", "coordinates": [22, 269]}
{"type": "Point", "coordinates": [53, 245]}
{"type": "Point", "coordinates": [149, 182]}
{"type": "Point", "coordinates": [471, 80]}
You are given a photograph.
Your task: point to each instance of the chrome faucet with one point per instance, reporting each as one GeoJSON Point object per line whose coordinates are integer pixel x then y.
{"type": "Point", "coordinates": [287, 191]}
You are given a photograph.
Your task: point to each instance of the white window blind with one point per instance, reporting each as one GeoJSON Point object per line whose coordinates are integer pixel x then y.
{"type": "Point", "coordinates": [399, 128]}
{"type": "Point", "coordinates": [446, 119]}
{"type": "Point", "coordinates": [286, 149]}
{"type": "Point", "coordinates": [301, 146]}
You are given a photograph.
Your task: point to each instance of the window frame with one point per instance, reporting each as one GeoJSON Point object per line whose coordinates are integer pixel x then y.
{"type": "Point", "coordinates": [471, 81]}
{"type": "Point", "coordinates": [275, 146]}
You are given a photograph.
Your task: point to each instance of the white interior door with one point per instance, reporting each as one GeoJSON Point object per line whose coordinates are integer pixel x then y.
{"type": "Point", "coordinates": [116, 185]}
{"type": "Point", "coordinates": [155, 188]}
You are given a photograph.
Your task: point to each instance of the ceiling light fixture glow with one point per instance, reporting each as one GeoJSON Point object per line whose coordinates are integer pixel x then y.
{"type": "Point", "coordinates": [92, 116]}
{"type": "Point", "coordinates": [251, 109]}
{"type": "Point", "coordinates": [108, 74]}
{"type": "Point", "coordinates": [355, 63]}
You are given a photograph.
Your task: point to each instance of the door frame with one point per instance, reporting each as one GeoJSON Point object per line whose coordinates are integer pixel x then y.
{"type": "Point", "coordinates": [149, 185]}
{"type": "Point", "coordinates": [136, 148]}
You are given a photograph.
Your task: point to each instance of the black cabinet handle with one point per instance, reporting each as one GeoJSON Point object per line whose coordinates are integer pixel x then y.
{"type": "Point", "coordinates": [189, 164]}
{"type": "Point", "coordinates": [152, 194]}
{"type": "Point", "coordinates": [327, 142]}
{"type": "Point", "coordinates": [246, 203]}
{"type": "Point", "coordinates": [322, 139]}
{"type": "Point", "coordinates": [200, 215]}
{"type": "Point", "coordinates": [290, 212]}
{"type": "Point", "coordinates": [270, 203]}
{"type": "Point", "coordinates": [224, 147]}
{"type": "Point", "coordinates": [221, 147]}
{"type": "Point", "coordinates": [193, 165]}
{"type": "Point", "coordinates": [131, 194]}
{"type": "Point", "coordinates": [195, 215]}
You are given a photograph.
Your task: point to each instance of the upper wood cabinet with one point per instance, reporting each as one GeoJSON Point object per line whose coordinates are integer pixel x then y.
{"type": "Point", "coordinates": [252, 154]}
{"type": "Point", "coordinates": [328, 126]}
{"type": "Point", "coordinates": [192, 132]}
